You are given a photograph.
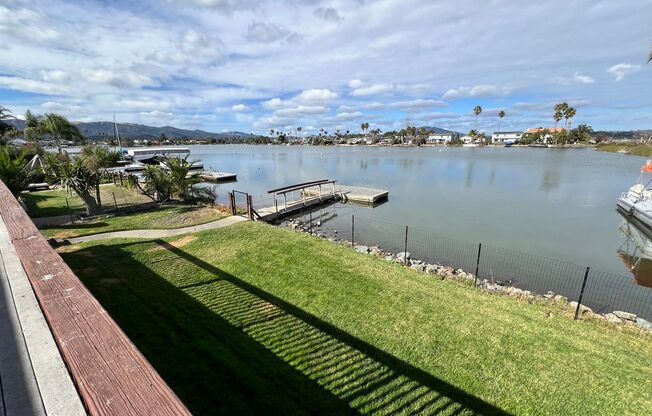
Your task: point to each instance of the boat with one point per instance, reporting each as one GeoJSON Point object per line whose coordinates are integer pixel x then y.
{"type": "Point", "coordinates": [509, 143]}
{"type": "Point", "coordinates": [153, 154]}
{"type": "Point", "coordinates": [636, 250]}
{"type": "Point", "coordinates": [471, 145]}
{"type": "Point", "coordinates": [212, 175]}
{"type": "Point", "coordinates": [637, 201]}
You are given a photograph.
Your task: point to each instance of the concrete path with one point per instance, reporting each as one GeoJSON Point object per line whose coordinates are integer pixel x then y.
{"type": "Point", "coordinates": [224, 222]}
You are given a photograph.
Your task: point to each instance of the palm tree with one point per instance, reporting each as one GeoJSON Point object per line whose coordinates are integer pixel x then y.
{"type": "Point", "coordinates": [13, 170]}
{"type": "Point", "coordinates": [362, 127]}
{"type": "Point", "coordinates": [501, 114]}
{"type": "Point", "coordinates": [181, 181]}
{"type": "Point", "coordinates": [74, 176]}
{"type": "Point", "coordinates": [271, 132]}
{"type": "Point", "coordinates": [568, 115]}
{"type": "Point", "coordinates": [560, 109]}
{"type": "Point", "coordinates": [97, 159]}
{"type": "Point", "coordinates": [51, 124]}
{"type": "Point", "coordinates": [5, 114]}
{"type": "Point", "coordinates": [477, 110]}
{"type": "Point", "coordinates": [299, 130]}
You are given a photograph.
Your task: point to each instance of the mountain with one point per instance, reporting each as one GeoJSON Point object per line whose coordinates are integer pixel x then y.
{"type": "Point", "coordinates": [438, 130]}
{"type": "Point", "coordinates": [103, 129]}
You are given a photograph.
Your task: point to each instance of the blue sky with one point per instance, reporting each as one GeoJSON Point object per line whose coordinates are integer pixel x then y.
{"type": "Point", "coordinates": [252, 66]}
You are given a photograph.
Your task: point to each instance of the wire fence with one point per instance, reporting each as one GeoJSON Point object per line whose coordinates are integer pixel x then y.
{"type": "Point", "coordinates": [601, 291]}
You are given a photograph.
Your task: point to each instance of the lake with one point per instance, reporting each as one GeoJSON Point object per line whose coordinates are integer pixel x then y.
{"type": "Point", "coordinates": [557, 203]}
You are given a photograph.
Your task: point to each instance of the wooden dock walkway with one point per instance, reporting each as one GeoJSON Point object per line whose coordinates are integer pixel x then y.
{"type": "Point", "coordinates": [315, 193]}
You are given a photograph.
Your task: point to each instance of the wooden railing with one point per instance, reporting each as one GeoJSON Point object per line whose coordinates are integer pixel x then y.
{"type": "Point", "coordinates": [111, 375]}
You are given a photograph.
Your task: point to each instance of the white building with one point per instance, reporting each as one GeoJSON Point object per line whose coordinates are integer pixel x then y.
{"type": "Point", "coordinates": [506, 136]}
{"type": "Point", "coordinates": [440, 138]}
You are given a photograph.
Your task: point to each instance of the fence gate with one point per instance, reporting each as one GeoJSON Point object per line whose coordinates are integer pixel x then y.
{"type": "Point", "coordinates": [240, 203]}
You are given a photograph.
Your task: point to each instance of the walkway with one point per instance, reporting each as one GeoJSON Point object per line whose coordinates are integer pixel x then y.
{"type": "Point", "coordinates": [224, 222]}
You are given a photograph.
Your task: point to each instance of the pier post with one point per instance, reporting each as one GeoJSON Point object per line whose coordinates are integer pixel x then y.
{"type": "Point", "coordinates": [352, 230]}
{"type": "Point", "coordinates": [579, 301]}
{"type": "Point", "coordinates": [405, 247]}
{"type": "Point", "coordinates": [477, 265]}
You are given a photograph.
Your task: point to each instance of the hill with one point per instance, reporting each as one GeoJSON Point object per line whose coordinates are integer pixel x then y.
{"type": "Point", "coordinates": [102, 129]}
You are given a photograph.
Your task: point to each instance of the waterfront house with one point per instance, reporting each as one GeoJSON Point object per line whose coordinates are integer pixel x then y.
{"type": "Point", "coordinates": [501, 137]}
{"type": "Point", "coordinates": [468, 139]}
{"type": "Point", "coordinates": [548, 132]}
{"type": "Point", "coordinates": [441, 138]}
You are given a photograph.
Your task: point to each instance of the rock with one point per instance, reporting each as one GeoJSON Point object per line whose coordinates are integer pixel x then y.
{"type": "Point", "coordinates": [643, 324]}
{"type": "Point", "coordinates": [417, 267]}
{"type": "Point", "coordinates": [625, 315]}
{"type": "Point", "coordinates": [362, 249]}
{"type": "Point", "coordinates": [390, 258]}
{"type": "Point", "coordinates": [430, 269]}
{"type": "Point", "coordinates": [583, 309]}
{"type": "Point", "coordinates": [549, 295]}
{"type": "Point", "coordinates": [375, 250]}
{"type": "Point", "coordinates": [403, 255]}
{"type": "Point", "coordinates": [459, 271]}
{"type": "Point", "coordinates": [610, 317]}
{"type": "Point", "coordinates": [560, 298]}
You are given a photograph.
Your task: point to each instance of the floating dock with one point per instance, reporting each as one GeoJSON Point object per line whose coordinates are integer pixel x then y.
{"type": "Point", "coordinates": [293, 198]}
{"type": "Point", "coordinates": [213, 176]}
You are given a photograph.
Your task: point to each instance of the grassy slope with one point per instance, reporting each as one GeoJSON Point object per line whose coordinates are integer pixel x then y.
{"type": "Point", "coordinates": [251, 317]}
{"type": "Point", "coordinates": [52, 203]}
{"type": "Point", "coordinates": [163, 218]}
{"type": "Point", "coordinates": [638, 149]}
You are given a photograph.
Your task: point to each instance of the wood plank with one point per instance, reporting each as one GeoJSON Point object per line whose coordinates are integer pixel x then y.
{"type": "Point", "coordinates": [18, 223]}
{"type": "Point", "coordinates": [112, 376]}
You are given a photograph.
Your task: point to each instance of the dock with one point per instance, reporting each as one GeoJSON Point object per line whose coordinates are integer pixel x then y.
{"type": "Point", "coordinates": [214, 176]}
{"type": "Point", "coordinates": [294, 198]}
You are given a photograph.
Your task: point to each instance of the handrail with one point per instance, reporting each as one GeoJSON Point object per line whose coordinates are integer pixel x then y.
{"type": "Point", "coordinates": [110, 373]}
{"type": "Point", "coordinates": [299, 186]}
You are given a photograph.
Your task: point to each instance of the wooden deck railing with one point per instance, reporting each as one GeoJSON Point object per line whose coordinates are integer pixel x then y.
{"type": "Point", "coordinates": [111, 375]}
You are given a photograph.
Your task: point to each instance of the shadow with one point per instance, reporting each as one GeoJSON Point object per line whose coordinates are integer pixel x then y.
{"type": "Point", "coordinates": [77, 224]}
{"type": "Point", "coordinates": [253, 352]}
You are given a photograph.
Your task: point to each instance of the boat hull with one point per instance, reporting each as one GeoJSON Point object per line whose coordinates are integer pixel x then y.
{"type": "Point", "coordinates": [641, 210]}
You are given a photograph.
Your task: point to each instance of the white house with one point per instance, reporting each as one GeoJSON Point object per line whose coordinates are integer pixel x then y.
{"type": "Point", "coordinates": [440, 138]}
{"type": "Point", "coordinates": [506, 136]}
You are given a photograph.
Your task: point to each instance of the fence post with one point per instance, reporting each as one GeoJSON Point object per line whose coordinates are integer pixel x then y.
{"type": "Point", "coordinates": [579, 301]}
{"type": "Point", "coordinates": [250, 208]}
{"type": "Point", "coordinates": [477, 265]}
{"type": "Point", "coordinates": [405, 247]}
{"type": "Point", "coordinates": [114, 201]}
{"type": "Point", "coordinates": [310, 219]}
{"type": "Point", "coordinates": [352, 230]}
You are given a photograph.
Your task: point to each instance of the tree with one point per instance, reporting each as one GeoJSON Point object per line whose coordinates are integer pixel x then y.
{"type": "Point", "coordinates": [181, 180]}
{"type": "Point", "coordinates": [158, 184]}
{"type": "Point", "coordinates": [74, 176]}
{"type": "Point", "coordinates": [51, 124]}
{"type": "Point", "coordinates": [5, 115]}
{"type": "Point", "coordinates": [569, 113]}
{"type": "Point", "coordinates": [501, 114]}
{"type": "Point", "coordinates": [299, 130]}
{"type": "Point", "coordinates": [560, 110]}
{"type": "Point", "coordinates": [13, 170]}
{"type": "Point", "coordinates": [97, 159]}
{"type": "Point", "coordinates": [477, 111]}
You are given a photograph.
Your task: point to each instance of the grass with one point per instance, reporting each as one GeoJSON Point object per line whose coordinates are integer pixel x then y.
{"type": "Point", "coordinates": [638, 149]}
{"type": "Point", "coordinates": [162, 218]}
{"type": "Point", "coordinates": [52, 203]}
{"type": "Point", "coordinates": [256, 319]}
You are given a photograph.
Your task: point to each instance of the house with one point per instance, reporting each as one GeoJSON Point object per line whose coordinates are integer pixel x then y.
{"type": "Point", "coordinates": [468, 139]}
{"type": "Point", "coordinates": [506, 136]}
{"type": "Point", "coordinates": [548, 132]}
{"type": "Point", "coordinates": [441, 138]}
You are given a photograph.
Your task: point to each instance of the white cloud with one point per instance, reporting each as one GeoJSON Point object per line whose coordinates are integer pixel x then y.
{"type": "Point", "coordinates": [30, 85]}
{"type": "Point", "coordinates": [373, 89]}
{"type": "Point", "coordinates": [355, 83]}
{"type": "Point", "coordinates": [418, 104]}
{"type": "Point", "coordinates": [120, 79]}
{"type": "Point", "coordinates": [273, 104]}
{"type": "Point", "coordinates": [583, 79]}
{"type": "Point", "coordinates": [55, 76]}
{"type": "Point", "coordinates": [156, 114]}
{"type": "Point", "coordinates": [269, 33]}
{"type": "Point", "coordinates": [621, 70]}
{"type": "Point", "coordinates": [315, 95]}
{"type": "Point", "coordinates": [482, 90]}
{"type": "Point", "coordinates": [301, 110]}
{"type": "Point", "coordinates": [239, 108]}
{"type": "Point", "coordinates": [349, 115]}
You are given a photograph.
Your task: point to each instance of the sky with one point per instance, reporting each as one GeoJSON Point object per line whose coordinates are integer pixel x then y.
{"type": "Point", "coordinates": [256, 65]}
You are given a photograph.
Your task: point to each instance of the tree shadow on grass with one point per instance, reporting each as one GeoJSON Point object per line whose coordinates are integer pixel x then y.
{"type": "Point", "coordinates": [225, 345]}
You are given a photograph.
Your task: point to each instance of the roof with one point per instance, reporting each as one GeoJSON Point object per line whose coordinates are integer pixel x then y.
{"type": "Point", "coordinates": [508, 132]}
{"type": "Point", "coordinates": [541, 129]}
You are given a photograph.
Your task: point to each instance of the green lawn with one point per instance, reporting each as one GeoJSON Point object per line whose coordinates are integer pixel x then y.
{"type": "Point", "coordinates": [256, 319]}
{"type": "Point", "coordinates": [53, 203]}
{"type": "Point", "coordinates": [161, 218]}
{"type": "Point", "coordinates": [638, 149]}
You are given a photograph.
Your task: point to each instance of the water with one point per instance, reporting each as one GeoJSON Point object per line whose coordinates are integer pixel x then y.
{"type": "Point", "coordinates": [558, 203]}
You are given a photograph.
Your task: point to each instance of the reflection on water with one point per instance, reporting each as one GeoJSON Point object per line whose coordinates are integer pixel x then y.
{"type": "Point", "coordinates": [636, 250]}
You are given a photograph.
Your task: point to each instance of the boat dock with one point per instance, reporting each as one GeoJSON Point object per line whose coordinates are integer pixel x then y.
{"type": "Point", "coordinates": [214, 176]}
{"type": "Point", "coordinates": [293, 198]}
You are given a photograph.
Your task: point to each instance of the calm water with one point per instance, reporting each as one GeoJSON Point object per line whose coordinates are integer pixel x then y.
{"type": "Point", "coordinates": [558, 203]}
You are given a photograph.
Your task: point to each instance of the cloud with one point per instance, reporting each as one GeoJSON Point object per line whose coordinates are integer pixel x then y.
{"type": "Point", "coordinates": [55, 76]}
{"type": "Point", "coordinates": [583, 79]}
{"type": "Point", "coordinates": [144, 103]}
{"type": "Point", "coordinates": [327, 13]}
{"type": "Point", "coordinates": [619, 71]}
{"type": "Point", "coordinates": [273, 104]}
{"type": "Point", "coordinates": [239, 108]}
{"type": "Point", "coordinates": [156, 114]}
{"type": "Point", "coordinates": [418, 104]}
{"type": "Point", "coordinates": [355, 83]}
{"type": "Point", "coordinates": [373, 89]}
{"type": "Point", "coordinates": [349, 115]}
{"type": "Point", "coordinates": [269, 33]}
{"type": "Point", "coordinates": [316, 95]}
{"type": "Point", "coordinates": [30, 85]}
{"type": "Point", "coordinates": [120, 79]}
{"type": "Point", "coordinates": [301, 110]}
{"type": "Point", "coordinates": [483, 90]}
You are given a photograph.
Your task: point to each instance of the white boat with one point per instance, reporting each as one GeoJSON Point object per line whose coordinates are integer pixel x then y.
{"type": "Point", "coordinates": [637, 201]}
{"type": "Point", "coordinates": [471, 145]}
{"type": "Point", "coordinates": [148, 154]}
{"type": "Point", "coordinates": [636, 250]}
